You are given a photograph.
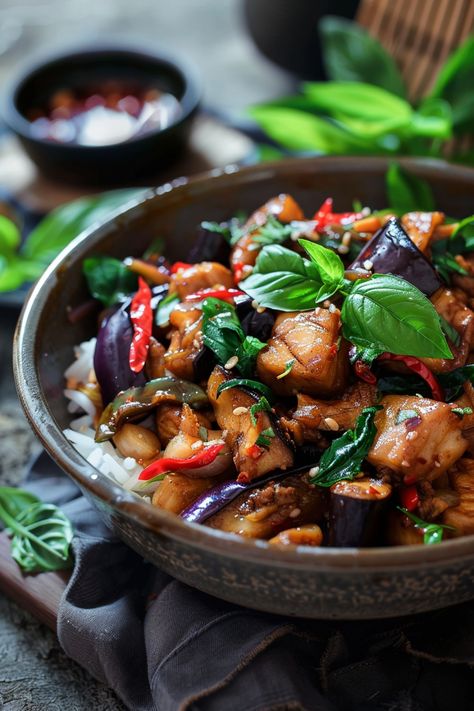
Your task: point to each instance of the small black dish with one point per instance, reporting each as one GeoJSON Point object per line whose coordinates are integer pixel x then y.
{"type": "Point", "coordinates": [121, 163]}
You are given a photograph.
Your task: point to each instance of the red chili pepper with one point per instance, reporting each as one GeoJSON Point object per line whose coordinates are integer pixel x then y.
{"type": "Point", "coordinates": [168, 464]}
{"type": "Point", "coordinates": [409, 497]}
{"type": "Point", "coordinates": [222, 294]}
{"type": "Point", "coordinates": [179, 265]}
{"type": "Point", "coordinates": [141, 317]}
{"type": "Point", "coordinates": [325, 216]}
{"type": "Point", "coordinates": [254, 451]}
{"type": "Point", "coordinates": [420, 369]}
{"type": "Point", "coordinates": [238, 269]}
{"type": "Point", "coordinates": [362, 370]}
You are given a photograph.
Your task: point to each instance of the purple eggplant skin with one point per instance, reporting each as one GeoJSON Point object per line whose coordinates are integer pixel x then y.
{"type": "Point", "coordinates": [355, 514]}
{"type": "Point", "coordinates": [203, 364]}
{"type": "Point", "coordinates": [209, 247]}
{"type": "Point", "coordinates": [254, 323]}
{"type": "Point", "coordinates": [218, 497]}
{"type": "Point", "coordinates": [111, 355]}
{"type": "Point", "coordinates": [391, 251]}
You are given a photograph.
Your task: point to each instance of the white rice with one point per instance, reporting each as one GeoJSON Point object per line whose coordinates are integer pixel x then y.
{"type": "Point", "coordinates": [102, 456]}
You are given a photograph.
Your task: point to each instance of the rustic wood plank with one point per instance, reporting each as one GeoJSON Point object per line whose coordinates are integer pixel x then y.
{"type": "Point", "coordinates": [39, 594]}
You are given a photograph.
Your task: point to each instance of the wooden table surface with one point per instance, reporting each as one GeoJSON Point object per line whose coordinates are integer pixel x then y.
{"type": "Point", "coordinates": [35, 675]}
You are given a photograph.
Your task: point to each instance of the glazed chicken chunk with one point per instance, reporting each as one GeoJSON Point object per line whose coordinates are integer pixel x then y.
{"type": "Point", "coordinates": [311, 341]}
{"type": "Point", "coordinates": [417, 438]}
{"type": "Point", "coordinates": [200, 276]}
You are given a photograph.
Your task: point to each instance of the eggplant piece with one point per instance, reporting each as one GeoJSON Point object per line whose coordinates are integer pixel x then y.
{"type": "Point", "coordinates": [209, 247]}
{"type": "Point", "coordinates": [391, 251]}
{"type": "Point", "coordinates": [254, 323]}
{"type": "Point", "coordinates": [111, 355]}
{"type": "Point", "coordinates": [136, 402]}
{"type": "Point", "coordinates": [355, 512]}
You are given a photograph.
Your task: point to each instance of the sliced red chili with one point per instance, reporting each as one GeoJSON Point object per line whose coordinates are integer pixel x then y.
{"type": "Point", "coordinates": [222, 294]}
{"type": "Point", "coordinates": [141, 317]}
{"type": "Point", "coordinates": [420, 369]}
{"type": "Point", "coordinates": [238, 269]}
{"type": "Point", "coordinates": [362, 370]}
{"type": "Point", "coordinates": [254, 451]}
{"type": "Point", "coordinates": [409, 497]}
{"type": "Point", "coordinates": [169, 464]}
{"type": "Point", "coordinates": [180, 265]}
{"type": "Point", "coordinates": [325, 216]}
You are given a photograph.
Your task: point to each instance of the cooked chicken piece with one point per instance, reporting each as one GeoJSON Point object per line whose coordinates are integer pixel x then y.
{"type": "Point", "coordinates": [420, 227]}
{"type": "Point", "coordinates": [465, 282]}
{"type": "Point", "coordinates": [461, 517]}
{"type": "Point", "coordinates": [232, 410]}
{"type": "Point", "coordinates": [309, 535]}
{"type": "Point", "coordinates": [400, 531]}
{"type": "Point", "coordinates": [168, 421]}
{"type": "Point", "coordinates": [178, 491]}
{"type": "Point", "coordinates": [311, 340]}
{"type": "Point", "coordinates": [204, 275]}
{"type": "Point", "coordinates": [433, 501]}
{"type": "Point", "coordinates": [185, 340]}
{"type": "Point", "coordinates": [448, 304]}
{"type": "Point", "coordinates": [263, 512]}
{"type": "Point", "coordinates": [245, 252]}
{"type": "Point", "coordinates": [417, 438]}
{"type": "Point", "coordinates": [333, 415]}
{"type": "Point", "coordinates": [155, 362]}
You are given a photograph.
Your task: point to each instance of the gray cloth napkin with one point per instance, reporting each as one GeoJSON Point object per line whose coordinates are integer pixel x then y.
{"type": "Point", "coordinates": [163, 646]}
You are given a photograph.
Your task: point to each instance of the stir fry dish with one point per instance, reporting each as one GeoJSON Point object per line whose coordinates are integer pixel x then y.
{"type": "Point", "coordinates": [304, 380]}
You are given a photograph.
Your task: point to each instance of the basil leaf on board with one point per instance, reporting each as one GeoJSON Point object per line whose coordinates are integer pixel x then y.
{"type": "Point", "coordinates": [40, 533]}
{"type": "Point", "coordinates": [284, 280]}
{"type": "Point", "coordinates": [432, 532]}
{"type": "Point", "coordinates": [329, 264]}
{"type": "Point", "coordinates": [300, 131]}
{"type": "Point", "coordinates": [406, 192]}
{"type": "Point", "coordinates": [108, 279]}
{"type": "Point", "coordinates": [224, 336]}
{"type": "Point", "coordinates": [343, 458]}
{"type": "Point", "coordinates": [164, 309]}
{"type": "Point", "coordinates": [390, 313]}
{"type": "Point", "coordinates": [359, 101]}
{"type": "Point", "coordinates": [254, 385]}
{"type": "Point", "coordinates": [352, 54]}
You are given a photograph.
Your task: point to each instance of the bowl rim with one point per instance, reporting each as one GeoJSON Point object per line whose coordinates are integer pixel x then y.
{"type": "Point", "coordinates": [157, 520]}
{"type": "Point", "coordinates": [177, 64]}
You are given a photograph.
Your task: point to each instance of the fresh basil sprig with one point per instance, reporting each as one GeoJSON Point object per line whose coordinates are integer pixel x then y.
{"type": "Point", "coordinates": [444, 251]}
{"type": "Point", "coordinates": [108, 279]}
{"type": "Point", "coordinates": [342, 460]}
{"type": "Point", "coordinates": [432, 532]}
{"type": "Point", "coordinates": [40, 533]}
{"type": "Point", "coordinates": [384, 313]}
{"type": "Point", "coordinates": [223, 334]}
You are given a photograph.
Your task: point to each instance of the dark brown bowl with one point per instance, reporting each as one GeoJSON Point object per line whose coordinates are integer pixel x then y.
{"type": "Point", "coordinates": [305, 582]}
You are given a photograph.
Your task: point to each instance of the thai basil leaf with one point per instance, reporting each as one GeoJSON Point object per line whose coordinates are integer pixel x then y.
{"type": "Point", "coordinates": [352, 54]}
{"type": "Point", "coordinates": [343, 458]}
{"type": "Point", "coordinates": [329, 264]}
{"type": "Point", "coordinates": [406, 192]}
{"type": "Point", "coordinates": [224, 336]}
{"type": "Point", "coordinates": [403, 384]}
{"type": "Point", "coordinates": [285, 281]}
{"type": "Point", "coordinates": [108, 279]}
{"type": "Point", "coordinates": [246, 383]}
{"type": "Point", "coordinates": [444, 251]}
{"type": "Point", "coordinates": [389, 313]}
{"type": "Point", "coordinates": [164, 309]}
{"type": "Point", "coordinates": [432, 532]}
{"type": "Point", "coordinates": [358, 100]}
{"type": "Point", "coordinates": [366, 354]}
{"type": "Point", "coordinates": [40, 533]}
{"type": "Point", "coordinates": [272, 232]}
{"type": "Point", "coordinates": [261, 406]}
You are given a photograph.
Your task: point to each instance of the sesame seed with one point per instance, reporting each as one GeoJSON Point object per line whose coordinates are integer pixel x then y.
{"type": "Point", "coordinates": [317, 310]}
{"type": "Point", "coordinates": [405, 463]}
{"type": "Point", "coordinates": [314, 471]}
{"type": "Point", "coordinates": [196, 343]}
{"type": "Point", "coordinates": [412, 435]}
{"type": "Point", "coordinates": [196, 445]}
{"type": "Point", "coordinates": [368, 265]}
{"type": "Point", "coordinates": [332, 424]}
{"type": "Point", "coordinates": [343, 249]}
{"type": "Point", "coordinates": [260, 309]}
{"type": "Point", "coordinates": [332, 309]}
{"type": "Point", "coordinates": [365, 211]}
{"type": "Point", "coordinates": [240, 411]}
{"type": "Point", "coordinates": [326, 304]}
{"type": "Point", "coordinates": [295, 513]}
{"type": "Point", "coordinates": [254, 304]}
{"type": "Point", "coordinates": [346, 239]}
{"type": "Point", "coordinates": [232, 362]}
{"type": "Point", "coordinates": [437, 464]}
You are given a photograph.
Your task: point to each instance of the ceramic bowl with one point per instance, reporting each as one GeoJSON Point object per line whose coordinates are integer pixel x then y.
{"type": "Point", "coordinates": [303, 582]}
{"type": "Point", "coordinates": [122, 163]}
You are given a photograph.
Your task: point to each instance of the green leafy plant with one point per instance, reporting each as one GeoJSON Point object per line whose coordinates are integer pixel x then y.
{"type": "Point", "coordinates": [108, 279]}
{"type": "Point", "coordinates": [432, 532]}
{"type": "Point", "coordinates": [364, 108]}
{"type": "Point", "coordinates": [342, 460]}
{"type": "Point", "coordinates": [40, 533]}
{"type": "Point", "coordinates": [21, 263]}
{"type": "Point", "coordinates": [383, 313]}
